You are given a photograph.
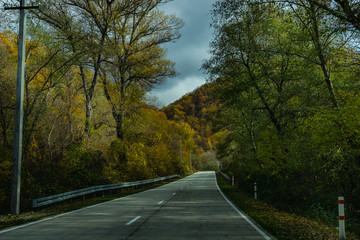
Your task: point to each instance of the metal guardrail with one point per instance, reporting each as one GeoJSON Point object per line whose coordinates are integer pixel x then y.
{"type": "Point", "coordinates": [39, 202]}
{"type": "Point", "coordinates": [224, 175]}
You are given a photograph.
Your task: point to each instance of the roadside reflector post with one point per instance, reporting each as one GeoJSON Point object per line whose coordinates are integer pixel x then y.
{"type": "Point", "coordinates": [341, 219]}
{"type": "Point", "coordinates": [233, 181]}
{"type": "Point", "coordinates": [255, 191]}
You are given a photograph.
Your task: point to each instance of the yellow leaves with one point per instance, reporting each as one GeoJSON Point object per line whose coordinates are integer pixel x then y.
{"type": "Point", "coordinates": [39, 82]}
{"type": "Point", "coordinates": [153, 143]}
{"type": "Point", "coordinates": [331, 128]}
{"type": "Point", "coordinates": [221, 136]}
{"type": "Point", "coordinates": [8, 42]}
{"type": "Point", "coordinates": [8, 57]}
{"type": "Point", "coordinates": [294, 100]}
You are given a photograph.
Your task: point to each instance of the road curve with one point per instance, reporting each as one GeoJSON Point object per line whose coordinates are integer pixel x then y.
{"type": "Point", "coordinates": [190, 208]}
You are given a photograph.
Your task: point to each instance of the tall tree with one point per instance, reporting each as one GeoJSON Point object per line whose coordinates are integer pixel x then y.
{"type": "Point", "coordinates": [85, 26]}
{"type": "Point", "coordinates": [251, 60]}
{"type": "Point", "coordinates": [138, 62]}
{"type": "Point", "coordinates": [322, 34]}
{"type": "Point", "coordinates": [346, 11]}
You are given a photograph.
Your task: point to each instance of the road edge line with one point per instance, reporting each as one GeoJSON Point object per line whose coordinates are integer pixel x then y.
{"type": "Point", "coordinates": [77, 210]}
{"type": "Point", "coordinates": [60, 215]}
{"type": "Point", "coordinates": [253, 225]}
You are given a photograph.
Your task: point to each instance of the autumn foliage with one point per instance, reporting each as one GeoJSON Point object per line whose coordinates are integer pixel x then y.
{"type": "Point", "coordinates": [87, 117]}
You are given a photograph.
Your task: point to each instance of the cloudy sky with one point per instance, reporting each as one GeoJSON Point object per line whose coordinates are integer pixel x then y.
{"type": "Point", "coordinates": [189, 51]}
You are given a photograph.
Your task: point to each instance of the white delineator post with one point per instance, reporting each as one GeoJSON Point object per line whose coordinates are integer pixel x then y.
{"type": "Point", "coordinates": [233, 181]}
{"type": "Point", "coordinates": [255, 191]}
{"type": "Point", "coordinates": [341, 219]}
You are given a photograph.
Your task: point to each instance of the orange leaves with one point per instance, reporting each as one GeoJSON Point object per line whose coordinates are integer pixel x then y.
{"type": "Point", "coordinates": [8, 42]}
{"type": "Point", "coordinates": [199, 110]}
{"type": "Point", "coordinates": [8, 56]}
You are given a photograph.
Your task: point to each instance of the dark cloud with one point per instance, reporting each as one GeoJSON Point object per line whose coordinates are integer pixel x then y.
{"type": "Point", "coordinates": [190, 50]}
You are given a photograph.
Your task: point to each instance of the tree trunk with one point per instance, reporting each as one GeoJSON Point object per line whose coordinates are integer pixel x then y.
{"type": "Point", "coordinates": [321, 56]}
{"type": "Point", "coordinates": [119, 118]}
{"type": "Point", "coordinates": [4, 125]}
{"type": "Point", "coordinates": [117, 110]}
{"type": "Point", "coordinates": [88, 116]}
{"type": "Point", "coordinates": [89, 93]}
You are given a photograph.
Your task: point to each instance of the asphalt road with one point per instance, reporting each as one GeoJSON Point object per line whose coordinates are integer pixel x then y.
{"type": "Point", "coordinates": [191, 208]}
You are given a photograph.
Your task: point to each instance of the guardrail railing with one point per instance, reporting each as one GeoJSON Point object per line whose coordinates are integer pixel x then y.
{"type": "Point", "coordinates": [224, 175]}
{"type": "Point", "coordinates": [39, 202]}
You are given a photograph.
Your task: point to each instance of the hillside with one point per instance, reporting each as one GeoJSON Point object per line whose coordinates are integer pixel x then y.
{"type": "Point", "coordinates": [199, 110]}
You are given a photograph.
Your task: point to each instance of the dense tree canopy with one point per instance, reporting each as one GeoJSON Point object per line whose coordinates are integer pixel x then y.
{"type": "Point", "coordinates": [87, 119]}
{"type": "Point", "coordinates": [281, 107]}
{"type": "Point", "coordinates": [287, 77]}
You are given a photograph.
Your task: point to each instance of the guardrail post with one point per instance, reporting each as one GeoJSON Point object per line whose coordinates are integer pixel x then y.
{"type": "Point", "coordinates": [255, 191]}
{"type": "Point", "coordinates": [341, 219]}
{"type": "Point", "coordinates": [233, 181]}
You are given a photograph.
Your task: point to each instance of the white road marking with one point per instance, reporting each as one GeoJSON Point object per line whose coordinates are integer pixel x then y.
{"type": "Point", "coordinates": [24, 225]}
{"type": "Point", "coordinates": [53, 217]}
{"type": "Point", "coordinates": [39, 221]}
{"type": "Point", "coordinates": [132, 221]}
{"type": "Point", "coordinates": [243, 215]}
{"type": "Point", "coordinates": [60, 215]}
{"type": "Point", "coordinates": [161, 202]}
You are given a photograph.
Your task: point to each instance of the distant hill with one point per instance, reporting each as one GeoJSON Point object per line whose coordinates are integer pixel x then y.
{"type": "Point", "coordinates": [199, 110]}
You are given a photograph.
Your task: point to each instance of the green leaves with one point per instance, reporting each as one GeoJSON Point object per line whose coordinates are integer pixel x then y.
{"type": "Point", "coordinates": [89, 66]}
{"type": "Point", "coordinates": [281, 75]}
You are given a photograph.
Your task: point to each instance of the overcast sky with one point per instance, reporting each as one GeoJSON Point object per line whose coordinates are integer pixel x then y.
{"type": "Point", "coordinates": [189, 51]}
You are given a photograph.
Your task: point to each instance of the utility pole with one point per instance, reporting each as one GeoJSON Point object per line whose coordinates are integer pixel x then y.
{"type": "Point", "coordinates": [19, 109]}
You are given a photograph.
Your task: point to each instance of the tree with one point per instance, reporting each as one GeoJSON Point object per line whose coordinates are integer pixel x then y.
{"type": "Point", "coordinates": [251, 60]}
{"type": "Point", "coordinates": [282, 73]}
{"type": "Point", "coordinates": [346, 11]}
{"type": "Point", "coordinates": [116, 32]}
{"type": "Point", "coordinates": [324, 37]}
{"type": "Point", "coordinates": [138, 63]}
{"type": "Point", "coordinates": [106, 54]}
{"type": "Point", "coordinates": [84, 25]}
{"type": "Point", "coordinates": [8, 55]}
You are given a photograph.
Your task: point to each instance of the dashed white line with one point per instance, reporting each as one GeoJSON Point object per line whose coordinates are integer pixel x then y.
{"type": "Point", "coordinates": [161, 202]}
{"type": "Point", "coordinates": [132, 221]}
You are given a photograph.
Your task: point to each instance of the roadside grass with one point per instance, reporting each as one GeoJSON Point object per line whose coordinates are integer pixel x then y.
{"type": "Point", "coordinates": [281, 224]}
{"type": "Point", "coordinates": [63, 207]}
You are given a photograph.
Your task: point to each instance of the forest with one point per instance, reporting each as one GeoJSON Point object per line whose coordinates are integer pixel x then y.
{"type": "Point", "coordinates": [286, 74]}
{"type": "Point", "coordinates": [281, 106]}
{"type": "Point", "coordinates": [88, 117]}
